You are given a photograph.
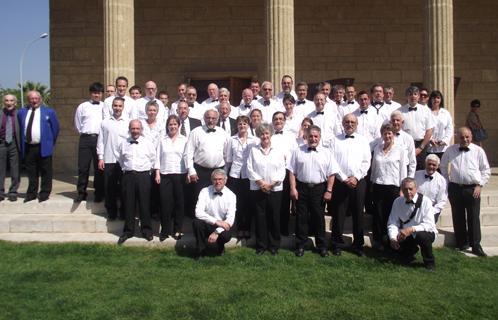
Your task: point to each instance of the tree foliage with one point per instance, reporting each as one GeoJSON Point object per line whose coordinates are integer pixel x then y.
{"type": "Point", "coordinates": [28, 86]}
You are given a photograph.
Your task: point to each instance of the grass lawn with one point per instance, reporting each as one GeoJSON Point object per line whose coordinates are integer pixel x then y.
{"type": "Point", "coordinates": [76, 281]}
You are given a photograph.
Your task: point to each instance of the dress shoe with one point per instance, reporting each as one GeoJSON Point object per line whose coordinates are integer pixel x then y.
{"type": "Point", "coordinates": [123, 238]}
{"type": "Point", "coordinates": [273, 252]}
{"type": "Point", "coordinates": [199, 254]}
{"type": "Point", "coordinates": [464, 247]}
{"type": "Point", "coordinates": [163, 237]}
{"type": "Point", "coordinates": [42, 198]}
{"type": "Point", "coordinates": [12, 198]}
{"type": "Point", "coordinates": [29, 198]}
{"type": "Point", "coordinates": [323, 253]}
{"type": "Point", "coordinates": [148, 237]}
{"type": "Point", "coordinates": [260, 252]}
{"type": "Point", "coordinates": [430, 267]}
{"type": "Point", "coordinates": [336, 252]}
{"type": "Point", "coordinates": [221, 250]}
{"type": "Point", "coordinates": [80, 197]}
{"type": "Point", "coordinates": [299, 252]}
{"type": "Point", "coordinates": [359, 252]}
{"type": "Point", "coordinates": [477, 250]}
{"type": "Point", "coordinates": [2, 199]}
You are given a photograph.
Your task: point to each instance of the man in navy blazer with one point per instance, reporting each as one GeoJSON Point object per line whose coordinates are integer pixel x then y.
{"type": "Point", "coordinates": [39, 130]}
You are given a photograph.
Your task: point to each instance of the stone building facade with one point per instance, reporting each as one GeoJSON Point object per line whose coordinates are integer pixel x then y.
{"type": "Point", "coordinates": [434, 42]}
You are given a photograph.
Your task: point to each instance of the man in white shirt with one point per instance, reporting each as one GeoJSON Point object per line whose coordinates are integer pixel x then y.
{"type": "Point", "coordinates": [10, 143]}
{"type": "Point", "coordinates": [225, 122]}
{"type": "Point", "coordinates": [187, 123]}
{"type": "Point", "coordinates": [136, 156]}
{"type": "Point", "coordinates": [424, 97]}
{"type": "Point", "coordinates": [419, 123]}
{"type": "Point", "coordinates": [311, 176]}
{"type": "Point", "coordinates": [377, 100]}
{"type": "Point", "coordinates": [342, 106]}
{"type": "Point", "coordinates": [112, 132]}
{"type": "Point", "coordinates": [212, 101]}
{"type": "Point", "coordinates": [135, 92]}
{"type": "Point", "coordinates": [110, 91]}
{"type": "Point", "coordinates": [325, 88]}
{"type": "Point", "coordinates": [467, 170]}
{"type": "Point", "coordinates": [351, 98]}
{"type": "Point", "coordinates": [368, 122]}
{"type": "Point", "coordinates": [129, 110]}
{"type": "Point", "coordinates": [352, 153]}
{"type": "Point", "coordinates": [432, 184]}
{"type": "Point", "coordinates": [267, 104]}
{"type": "Point", "coordinates": [182, 89]}
{"type": "Point", "coordinates": [150, 95]}
{"type": "Point", "coordinates": [325, 119]}
{"type": "Point", "coordinates": [247, 103]}
{"type": "Point", "coordinates": [87, 120]}
{"type": "Point", "coordinates": [411, 225]}
{"type": "Point", "coordinates": [303, 105]}
{"type": "Point", "coordinates": [214, 214]}
{"type": "Point", "coordinates": [255, 88]}
{"type": "Point", "coordinates": [405, 140]}
{"type": "Point", "coordinates": [287, 84]}
{"type": "Point", "coordinates": [388, 98]}
{"type": "Point", "coordinates": [196, 109]}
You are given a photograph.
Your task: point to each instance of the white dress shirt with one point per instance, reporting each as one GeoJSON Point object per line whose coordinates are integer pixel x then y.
{"type": "Point", "coordinates": [328, 123]}
{"type": "Point", "coordinates": [237, 154]}
{"type": "Point", "coordinates": [269, 167]}
{"type": "Point", "coordinates": [244, 109]}
{"type": "Point", "coordinates": [88, 117]}
{"type": "Point", "coordinates": [206, 149]}
{"type": "Point", "coordinates": [197, 111]}
{"type": "Point", "coordinates": [226, 123]}
{"type": "Point", "coordinates": [155, 133]}
{"type": "Point", "coordinates": [280, 96]}
{"type": "Point", "coordinates": [443, 131]}
{"type": "Point", "coordinates": [393, 105]}
{"type": "Point", "coordinates": [112, 133]}
{"type": "Point", "coordinates": [401, 211]}
{"type": "Point", "coordinates": [460, 167]}
{"type": "Point", "coordinates": [433, 187]}
{"type": "Point", "coordinates": [268, 110]}
{"type": "Point", "coordinates": [210, 103]}
{"type": "Point", "coordinates": [35, 127]}
{"type": "Point", "coordinates": [293, 124]}
{"type": "Point", "coordinates": [417, 122]}
{"type": "Point", "coordinates": [312, 166]}
{"type": "Point", "coordinates": [304, 107]}
{"type": "Point", "coordinates": [174, 106]}
{"type": "Point", "coordinates": [129, 109]}
{"type": "Point", "coordinates": [352, 155]}
{"type": "Point", "coordinates": [170, 155]}
{"type": "Point", "coordinates": [345, 108]}
{"type": "Point", "coordinates": [139, 156]}
{"type": "Point", "coordinates": [142, 114]}
{"type": "Point", "coordinates": [285, 141]}
{"type": "Point", "coordinates": [211, 207]}
{"type": "Point", "coordinates": [368, 123]}
{"type": "Point", "coordinates": [389, 168]}
{"type": "Point", "coordinates": [382, 110]}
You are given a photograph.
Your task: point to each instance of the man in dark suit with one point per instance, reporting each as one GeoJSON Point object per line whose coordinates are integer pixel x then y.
{"type": "Point", "coordinates": [225, 122]}
{"type": "Point", "coordinates": [187, 123]}
{"type": "Point", "coordinates": [39, 130]}
{"type": "Point", "coordinates": [9, 147]}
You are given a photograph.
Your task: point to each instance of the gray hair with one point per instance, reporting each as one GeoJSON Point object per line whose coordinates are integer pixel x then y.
{"type": "Point", "coordinates": [262, 128]}
{"type": "Point", "coordinates": [408, 180]}
{"type": "Point", "coordinates": [225, 90]}
{"type": "Point", "coordinates": [151, 103]}
{"type": "Point", "coordinates": [432, 157]}
{"type": "Point", "coordinates": [219, 172]}
{"type": "Point", "coordinates": [212, 110]}
{"type": "Point", "coordinates": [398, 114]}
{"type": "Point", "coordinates": [411, 89]}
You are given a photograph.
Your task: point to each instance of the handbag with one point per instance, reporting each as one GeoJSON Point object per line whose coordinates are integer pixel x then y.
{"type": "Point", "coordinates": [479, 134]}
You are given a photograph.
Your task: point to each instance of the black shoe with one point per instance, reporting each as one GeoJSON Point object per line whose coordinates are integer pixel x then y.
{"type": "Point", "coordinates": [299, 252]}
{"type": "Point", "coordinates": [178, 235]}
{"type": "Point", "coordinates": [359, 252]}
{"type": "Point", "coordinates": [98, 199]}
{"type": "Point", "coordinates": [430, 267]}
{"type": "Point", "coordinates": [323, 253]}
{"type": "Point", "coordinates": [273, 252]}
{"type": "Point", "coordinates": [29, 198]}
{"type": "Point", "coordinates": [407, 259]}
{"type": "Point", "coordinates": [221, 250]}
{"type": "Point", "coordinates": [336, 252]}
{"type": "Point", "coordinates": [123, 238]}
{"type": "Point", "coordinates": [199, 254]}
{"type": "Point", "coordinates": [148, 237]}
{"type": "Point", "coordinates": [260, 252]}
{"type": "Point", "coordinates": [464, 247]}
{"type": "Point", "coordinates": [42, 198]}
{"type": "Point", "coordinates": [163, 237]}
{"type": "Point", "coordinates": [477, 250]}
{"type": "Point", "coordinates": [80, 197]}
{"type": "Point", "coordinates": [13, 198]}
{"type": "Point", "coordinates": [2, 199]}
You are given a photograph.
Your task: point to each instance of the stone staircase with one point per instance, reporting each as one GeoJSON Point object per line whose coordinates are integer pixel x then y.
{"type": "Point", "coordinates": [61, 220]}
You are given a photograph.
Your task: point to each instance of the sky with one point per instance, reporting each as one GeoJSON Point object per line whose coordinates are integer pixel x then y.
{"type": "Point", "coordinates": [21, 22]}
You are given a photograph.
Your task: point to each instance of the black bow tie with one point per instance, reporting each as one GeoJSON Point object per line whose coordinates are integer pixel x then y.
{"type": "Point", "coordinates": [349, 136]}
{"type": "Point", "coordinates": [466, 149]}
{"type": "Point", "coordinates": [410, 201]}
{"type": "Point", "coordinates": [95, 102]}
{"type": "Point", "coordinates": [300, 102]}
{"type": "Point", "coordinates": [191, 105]}
{"type": "Point", "coordinates": [350, 102]}
{"type": "Point", "coordinates": [218, 193]}
{"type": "Point", "coordinates": [214, 100]}
{"type": "Point", "coordinates": [266, 102]}
{"type": "Point", "coordinates": [311, 149]}
{"type": "Point", "coordinates": [412, 108]}
{"type": "Point", "coordinates": [210, 130]}
{"type": "Point", "coordinates": [319, 112]}
{"type": "Point", "coordinates": [133, 142]}
{"type": "Point", "coordinates": [429, 177]}
{"type": "Point", "coordinates": [363, 111]}
{"type": "Point", "coordinates": [388, 102]}
{"type": "Point", "coordinates": [255, 98]}
{"type": "Point", "coordinates": [247, 106]}
{"type": "Point", "coordinates": [396, 134]}
{"type": "Point", "coordinates": [279, 132]}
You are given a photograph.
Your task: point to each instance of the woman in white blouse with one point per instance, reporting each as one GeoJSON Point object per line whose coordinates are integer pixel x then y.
{"type": "Point", "coordinates": [302, 135]}
{"type": "Point", "coordinates": [237, 153]}
{"type": "Point", "coordinates": [443, 131]}
{"type": "Point", "coordinates": [170, 175]}
{"type": "Point", "coordinates": [266, 172]}
{"type": "Point", "coordinates": [292, 119]}
{"type": "Point", "coordinates": [256, 117]}
{"type": "Point", "coordinates": [389, 168]}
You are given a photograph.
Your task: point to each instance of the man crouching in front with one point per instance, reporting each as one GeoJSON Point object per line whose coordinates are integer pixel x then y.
{"type": "Point", "coordinates": [214, 215]}
{"type": "Point", "coordinates": [411, 225]}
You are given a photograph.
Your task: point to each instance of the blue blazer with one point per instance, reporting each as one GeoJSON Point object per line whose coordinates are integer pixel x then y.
{"type": "Point", "coordinates": [49, 129]}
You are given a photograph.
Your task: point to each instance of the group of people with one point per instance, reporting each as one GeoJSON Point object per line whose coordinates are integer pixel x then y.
{"type": "Point", "coordinates": [271, 156]}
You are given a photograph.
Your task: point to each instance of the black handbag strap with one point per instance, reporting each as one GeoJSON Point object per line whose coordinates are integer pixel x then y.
{"type": "Point", "coordinates": [417, 205]}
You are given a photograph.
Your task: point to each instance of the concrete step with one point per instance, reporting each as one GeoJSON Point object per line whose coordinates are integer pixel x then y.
{"type": "Point", "coordinates": [55, 205]}
{"type": "Point", "coordinates": [489, 217]}
{"type": "Point", "coordinates": [489, 236]}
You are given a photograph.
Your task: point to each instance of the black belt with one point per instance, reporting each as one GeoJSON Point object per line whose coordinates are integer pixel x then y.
{"type": "Point", "coordinates": [199, 167]}
{"type": "Point", "coordinates": [310, 185]}
{"type": "Point", "coordinates": [89, 135]}
{"type": "Point", "coordinates": [136, 172]}
{"type": "Point", "coordinates": [464, 185]}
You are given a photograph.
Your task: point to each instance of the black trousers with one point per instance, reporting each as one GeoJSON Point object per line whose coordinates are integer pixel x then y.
{"type": "Point", "coordinates": [136, 189]}
{"type": "Point", "coordinates": [113, 189]}
{"type": "Point", "coordinates": [285, 206]}
{"type": "Point", "coordinates": [421, 156]}
{"type": "Point", "coordinates": [465, 212]}
{"type": "Point", "coordinates": [87, 153]}
{"type": "Point", "coordinates": [37, 167]}
{"type": "Point", "coordinates": [243, 215]}
{"type": "Point", "coordinates": [423, 239]}
{"type": "Point", "coordinates": [202, 230]}
{"type": "Point", "coordinates": [346, 199]}
{"type": "Point", "coordinates": [172, 205]}
{"type": "Point", "coordinates": [267, 216]}
{"type": "Point", "coordinates": [9, 155]}
{"type": "Point", "coordinates": [155, 202]}
{"type": "Point", "coordinates": [310, 219]}
{"type": "Point", "coordinates": [384, 196]}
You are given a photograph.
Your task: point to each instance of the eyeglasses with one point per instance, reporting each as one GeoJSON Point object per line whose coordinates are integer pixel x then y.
{"type": "Point", "coordinates": [423, 95]}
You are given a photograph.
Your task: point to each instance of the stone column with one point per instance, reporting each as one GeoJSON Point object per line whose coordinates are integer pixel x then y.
{"type": "Point", "coordinates": [438, 55]}
{"type": "Point", "coordinates": [279, 40]}
{"type": "Point", "coordinates": [119, 40]}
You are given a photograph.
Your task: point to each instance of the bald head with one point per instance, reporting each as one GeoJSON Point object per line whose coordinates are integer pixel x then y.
{"type": "Point", "coordinates": [150, 89]}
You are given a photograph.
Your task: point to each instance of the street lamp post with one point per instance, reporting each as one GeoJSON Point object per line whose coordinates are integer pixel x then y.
{"type": "Point", "coordinates": [42, 36]}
